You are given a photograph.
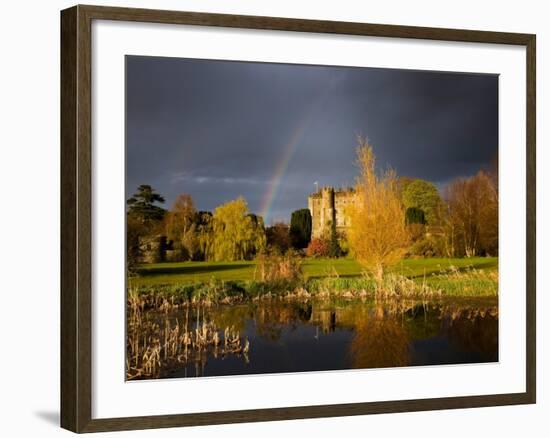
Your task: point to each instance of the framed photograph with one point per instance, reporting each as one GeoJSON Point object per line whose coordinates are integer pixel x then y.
{"type": "Point", "coordinates": [271, 218]}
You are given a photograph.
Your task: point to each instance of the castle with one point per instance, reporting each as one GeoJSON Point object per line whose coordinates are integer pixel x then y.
{"type": "Point", "coordinates": [327, 206]}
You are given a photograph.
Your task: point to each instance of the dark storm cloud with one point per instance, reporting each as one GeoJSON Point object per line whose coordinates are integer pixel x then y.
{"type": "Point", "coordinates": [218, 129]}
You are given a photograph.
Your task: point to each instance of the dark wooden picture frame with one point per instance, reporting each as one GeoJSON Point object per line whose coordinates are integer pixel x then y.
{"type": "Point", "coordinates": [76, 218]}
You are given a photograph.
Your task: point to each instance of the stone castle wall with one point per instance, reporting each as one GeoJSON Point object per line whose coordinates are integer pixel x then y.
{"type": "Point", "coordinates": [328, 205]}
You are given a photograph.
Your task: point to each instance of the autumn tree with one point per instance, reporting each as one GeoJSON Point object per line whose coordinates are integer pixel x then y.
{"type": "Point", "coordinates": [472, 221]}
{"type": "Point", "coordinates": [236, 234]}
{"type": "Point", "coordinates": [377, 236]}
{"type": "Point", "coordinates": [204, 235]}
{"type": "Point", "coordinates": [181, 226]}
{"type": "Point", "coordinates": [278, 237]}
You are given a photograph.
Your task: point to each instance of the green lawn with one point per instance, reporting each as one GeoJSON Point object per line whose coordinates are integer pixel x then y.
{"type": "Point", "coordinates": [197, 272]}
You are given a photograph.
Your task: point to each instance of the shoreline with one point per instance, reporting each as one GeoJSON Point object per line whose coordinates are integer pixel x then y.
{"type": "Point", "coordinates": [229, 293]}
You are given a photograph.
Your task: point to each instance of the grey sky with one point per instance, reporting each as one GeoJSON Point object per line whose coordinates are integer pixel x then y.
{"type": "Point", "coordinates": [220, 129]}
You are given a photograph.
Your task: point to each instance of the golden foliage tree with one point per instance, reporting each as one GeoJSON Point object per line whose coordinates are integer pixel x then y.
{"type": "Point", "coordinates": [180, 225]}
{"type": "Point", "coordinates": [204, 235]}
{"type": "Point", "coordinates": [236, 234]}
{"type": "Point", "coordinates": [378, 236]}
{"type": "Point", "coordinates": [472, 221]}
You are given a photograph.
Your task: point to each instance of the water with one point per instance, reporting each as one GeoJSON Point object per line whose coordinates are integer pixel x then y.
{"type": "Point", "coordinates": [319, 335]}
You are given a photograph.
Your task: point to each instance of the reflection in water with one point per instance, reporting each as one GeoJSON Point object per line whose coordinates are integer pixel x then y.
{"type": "Point", "coordinates": [274, 336]}
{"type": "Point", "coordinates": [379, 342]}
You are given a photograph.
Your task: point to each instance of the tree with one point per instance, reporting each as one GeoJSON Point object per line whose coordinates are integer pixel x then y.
{"type": "Point", "coordinates": [423, 195]}
{"type": "Point", "coordinates": [334, 246]}
{"type": "Point", "coordinates": [134, 230]}
{"type": "Point", "coordinates": [278, 237]}
{"type": "Point", "coordinates": [414, 215]}
{"type": "Point", "coordinates": [236, 235]}
{"type": "Point", "coordinates": [377, 235]}
{"type": "Point", "coordinates": [416, 224]}
{"type": "Point", "coordinates": [402, 183]}
{"type": "Point", "coordinates": [300, 228]}
{"type": "Point", "coordinates": [143, 219]}
{"type": "Point", "coordinates": [143, 204]}
{"type": "Point", "coordinates": [205, 235]}
{"type": "Point", "coordinates": [180, 226]}
{"type": "Point", "coordinates": [472, 222]}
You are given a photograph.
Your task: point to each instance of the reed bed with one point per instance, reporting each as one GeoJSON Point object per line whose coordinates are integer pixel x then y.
{"type": "Point", "coordinates": [288, 283]}
{"type": "Point", "coordinates": [466, 281]}
{"type": "Point", "coordinates": [152, 347]}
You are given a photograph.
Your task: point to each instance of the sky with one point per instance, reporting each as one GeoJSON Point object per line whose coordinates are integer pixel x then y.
{"type": "Point", "coordinates": [268, 132]}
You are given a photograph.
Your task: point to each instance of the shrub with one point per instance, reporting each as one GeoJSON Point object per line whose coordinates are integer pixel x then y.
{"type": "Point", "coordinates": [344, 245]}
{"type": "Point", "coordinates": [423, 248]}
{"type": "Point", "coordinates": [318, 247]}
{"type": "Point", "coordinates": [416, 231]}
{"type": "Point", "coordinates": [275, 268]}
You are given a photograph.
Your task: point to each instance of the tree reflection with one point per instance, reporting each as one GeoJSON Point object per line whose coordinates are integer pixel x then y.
{"type": "Point", "coordinates": [373, 334]}
{"type": "Point", "coordinates": [380, 341]}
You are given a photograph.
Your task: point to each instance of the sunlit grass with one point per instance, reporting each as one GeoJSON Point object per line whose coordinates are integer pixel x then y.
{"type": "Point", "coordinates": [195, 272]}
{"type": "Point", "coordinates": [459, 277]}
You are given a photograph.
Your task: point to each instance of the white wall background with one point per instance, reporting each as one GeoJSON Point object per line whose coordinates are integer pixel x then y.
{"type": "Point", "coordinates": [29, 216]}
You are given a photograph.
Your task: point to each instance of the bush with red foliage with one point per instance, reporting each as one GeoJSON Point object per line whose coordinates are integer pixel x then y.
{"type": "Point", "coordinates": [318, 247]}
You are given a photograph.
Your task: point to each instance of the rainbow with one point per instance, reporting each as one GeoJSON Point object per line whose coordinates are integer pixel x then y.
{"type": "Point", "coordinates": [280, 169]}
{"type": "Point", "coordinates": [289, 149]}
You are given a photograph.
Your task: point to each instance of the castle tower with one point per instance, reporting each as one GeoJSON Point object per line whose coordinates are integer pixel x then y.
{"type": "Point", "coordinates": [329, 206]}
{"type": "Point", "coordinates": [328, 213]}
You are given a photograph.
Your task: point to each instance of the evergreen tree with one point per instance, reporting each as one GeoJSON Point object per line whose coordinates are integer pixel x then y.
{"type": "Point", "coordinates": [144, 218]}
{"type": "Point", "coordinates": [334, 248]}
{"type": "Point", "coordinates": [415, 215]}
{"type": "Point", "coordinates": [300, 228]}
{"type": "Point", "coordinates": [142, 204]}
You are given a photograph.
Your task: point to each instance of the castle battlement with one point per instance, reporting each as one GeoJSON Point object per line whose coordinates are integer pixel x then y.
{"type": "Point", "coordinates": [327, 205]}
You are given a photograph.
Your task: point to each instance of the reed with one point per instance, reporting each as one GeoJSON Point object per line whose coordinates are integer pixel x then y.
{"type": "Point", "coordinates": [466, 281]}
{"type": "Point", "coordinates": [278, 272]}
{"type": "Point", "coordinates": [280, 277]}
{"type": "Point", "coordinates": [152, 347]}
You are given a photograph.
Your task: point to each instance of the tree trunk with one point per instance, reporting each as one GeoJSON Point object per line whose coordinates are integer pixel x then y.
{"type": "Point", "coordinates": [378, 274]}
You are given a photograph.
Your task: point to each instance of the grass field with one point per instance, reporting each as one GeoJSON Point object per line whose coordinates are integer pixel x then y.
{"type": "Point", "coordinates": [436, 271]}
